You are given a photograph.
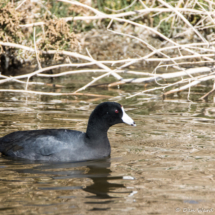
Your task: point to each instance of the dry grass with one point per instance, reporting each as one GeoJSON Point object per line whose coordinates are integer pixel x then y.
{"type": "Point", "coordinates": [188, 42]}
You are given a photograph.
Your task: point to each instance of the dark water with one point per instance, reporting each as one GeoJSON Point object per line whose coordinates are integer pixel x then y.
{"type": "Point", "coordinates": [165, 165]}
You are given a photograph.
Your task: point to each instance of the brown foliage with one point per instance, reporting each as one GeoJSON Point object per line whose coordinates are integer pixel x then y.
{"type": "Point", "coordinates": [9, 24]}
{"type": "Point", "coordinates": [57, 36]}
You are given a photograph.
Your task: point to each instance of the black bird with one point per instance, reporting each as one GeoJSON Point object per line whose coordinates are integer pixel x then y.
{"type": "Point", "coordinates": [68, 145]}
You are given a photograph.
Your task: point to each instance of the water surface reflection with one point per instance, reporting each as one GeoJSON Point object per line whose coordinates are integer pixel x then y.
{"type": "Point", "coordinates": [89, 183]}
{"type": "Point", "coordinates": [163, 166]}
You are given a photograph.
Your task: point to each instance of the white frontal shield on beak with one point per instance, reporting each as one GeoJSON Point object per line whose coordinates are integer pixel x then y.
{"type": "Point", "coordinates": [127, 119]}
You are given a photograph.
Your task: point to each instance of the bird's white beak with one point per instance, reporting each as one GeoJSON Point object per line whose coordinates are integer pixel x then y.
{"type": "Point", "coordinates": [127, 119]}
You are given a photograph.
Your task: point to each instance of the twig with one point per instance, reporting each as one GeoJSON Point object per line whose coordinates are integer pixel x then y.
{"type": "Point", "coordinates": [35, 48]}
{"type": "Point", "coordinates": [209, 93]}
{"type": "Point", "coordinates": [190, 85]}
{"type": "Point", "coordinates": [94, 71]}
{"type": "Point", "coordinates": [20, 4]}
{"type": "Point", "coordinates": [93, 81]}
{"type": "Point", "coordinates": [54, 94]}
{"type": "Point", "coordinates": [188, 95]}
{"type": "Point", "coordinates": [163, 76]}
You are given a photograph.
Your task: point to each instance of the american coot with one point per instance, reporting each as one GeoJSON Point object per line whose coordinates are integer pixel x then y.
{"type": "Point", "coordinates": [68, 145]}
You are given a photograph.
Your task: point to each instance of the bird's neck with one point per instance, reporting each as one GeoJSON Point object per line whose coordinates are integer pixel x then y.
{"type": "Point", "coordinates": [96, 129]}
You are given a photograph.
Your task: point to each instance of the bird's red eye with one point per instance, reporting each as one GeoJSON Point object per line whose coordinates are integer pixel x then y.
{"type": "Point", "coordinates": [116, 111]}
